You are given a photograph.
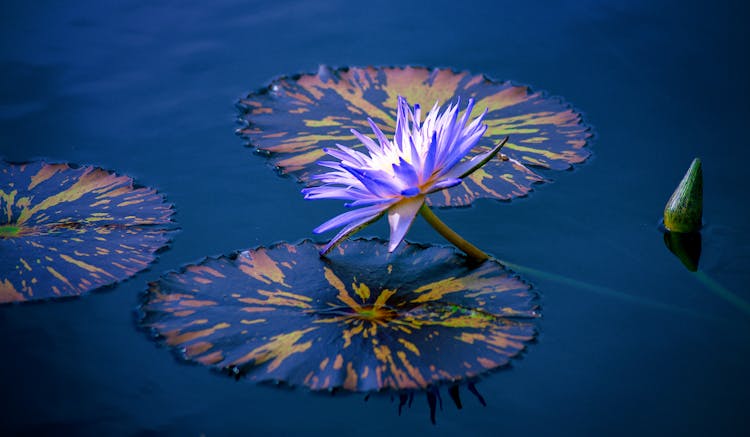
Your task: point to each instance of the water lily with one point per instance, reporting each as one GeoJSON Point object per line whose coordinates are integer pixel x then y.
{"type": "Point", "coordinates": [395, 176]}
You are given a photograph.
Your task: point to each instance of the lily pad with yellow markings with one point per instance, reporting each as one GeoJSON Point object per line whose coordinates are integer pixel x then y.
{"type": "Point", "coordinates": [360, 320]}
{"type": "Point", "coordinates": [295, 117]}
{"type": "Point", "coordinates": [65, 231]}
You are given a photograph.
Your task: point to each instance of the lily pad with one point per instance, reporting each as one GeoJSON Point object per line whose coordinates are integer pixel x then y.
{"type": "Point", "coordinates": [65, 231]}
{"type": "Point", "coordinates": [360, 320]}
{"type": "Point", "coordinates": [296, 116]}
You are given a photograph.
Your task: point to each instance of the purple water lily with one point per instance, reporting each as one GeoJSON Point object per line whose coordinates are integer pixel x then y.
{"type": "Point", "coordinates": [396, 175]}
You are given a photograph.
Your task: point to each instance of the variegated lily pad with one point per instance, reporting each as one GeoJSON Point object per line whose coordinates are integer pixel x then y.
{"type": "Point", "coordinates": [65, 231]}
{"type": "Point", "coordinates": [296, 117]}
{"type": "Point", "coordinates": [361, 320]}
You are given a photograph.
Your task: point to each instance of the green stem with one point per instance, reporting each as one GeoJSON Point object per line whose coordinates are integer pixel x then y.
{"type": "Point", "coordinates": [723, 292]}
{"type": "Point", "coordinates": [450, 235]}
{"type": "Point", "coordinates": [605, 291]}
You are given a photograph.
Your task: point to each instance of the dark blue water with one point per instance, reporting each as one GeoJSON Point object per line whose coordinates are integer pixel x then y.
{"type": "Point", "coordinates": [149, 90]}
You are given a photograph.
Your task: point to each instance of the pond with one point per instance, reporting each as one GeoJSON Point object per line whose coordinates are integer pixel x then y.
{"type": "Point", "coordinates": [630, 341]}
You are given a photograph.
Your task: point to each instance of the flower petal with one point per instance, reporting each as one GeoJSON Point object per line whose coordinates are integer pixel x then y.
{"type": "Point", "coordinates": [350, 229]}
{"type": "Point", "coordinates": [326, 192]}
{"type": "Point", "coordinates": [400, 217]}
{"type": "Point", "coordinates": [377, 181]}
{"type": "Point", "coordinates": [346, 154]}
{"type": "Point", "coordinates": [462, 149]}
{"type": "Point", "coordinates": [379, 134]}
{"type": "Point", "coordinates": [367, 201]}
{"type": "Point", "coordinates": [350, 217]}
{"type": "Point", "coordinates": [468, 167]}
{"type": "Point", "coordinates": [370, 144]}
{"type": "Point", "coordinates": [467, 112]}
{"type": "Point", "coordinates": [406, 173]}
{"type": "Point", "coordinates": [429, 161]}
{"type": "Point", "coordinates": [444, 183]}
{"type": "Point", "coordinates": [401, 136]}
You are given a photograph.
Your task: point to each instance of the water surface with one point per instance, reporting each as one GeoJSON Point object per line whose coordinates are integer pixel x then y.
{"type": "Point", "coordinates": [148, 90]}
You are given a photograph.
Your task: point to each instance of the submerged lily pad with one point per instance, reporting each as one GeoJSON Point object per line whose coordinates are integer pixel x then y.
{"type": "Point", "coordinates": [360, 320]}
{"type": "Point", "coordinates": [295, 117]}
{"type": "Point", "coordinates": [65, 231]}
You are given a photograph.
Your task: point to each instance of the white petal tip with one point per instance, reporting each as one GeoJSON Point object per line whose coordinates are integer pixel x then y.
{"type": "Point", "coordinates": [393, 246]}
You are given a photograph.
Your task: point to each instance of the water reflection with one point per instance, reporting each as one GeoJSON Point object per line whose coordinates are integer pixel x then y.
{"type": "Point", "coordinates": [434, 398]}
{"type": "Point", "coordinates": [686, 246]}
